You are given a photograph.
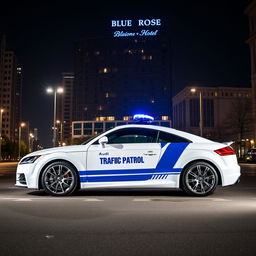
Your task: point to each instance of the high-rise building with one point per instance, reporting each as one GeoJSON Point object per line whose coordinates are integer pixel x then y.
{"type": "Point", "coordinates": [116, 77]}
{"type": "Point", "coordinates": [10, 91]}
{"type": "Point", "coordinates": [250, 11]}
{"type": "Point", "coordinates": [64, 109]}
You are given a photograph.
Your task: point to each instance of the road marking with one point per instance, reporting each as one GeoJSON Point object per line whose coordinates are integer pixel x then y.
{"type": "Point", "coordinates": [142, 200]}
{"type": "Point", "coordinates": [220, 200]}
{"type": "Point", "coordinates": [93, 200]}
{"type": "Point", "coordinates": [49, 236]}
{"type": "Point", "coordinates": [22, 200]}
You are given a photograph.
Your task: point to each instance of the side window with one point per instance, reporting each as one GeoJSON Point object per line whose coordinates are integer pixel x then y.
{"type": "Point", "coordinates": [132, 135]}
{"type": "Point", "coordinates": [165, 137]}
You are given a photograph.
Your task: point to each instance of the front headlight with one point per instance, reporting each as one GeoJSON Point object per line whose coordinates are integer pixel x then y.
{"type": "Point", "coordinates": [29, 159]}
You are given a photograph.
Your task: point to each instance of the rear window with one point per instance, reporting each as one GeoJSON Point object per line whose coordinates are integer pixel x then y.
{"type": "Point", "coordinates": [165, 137]}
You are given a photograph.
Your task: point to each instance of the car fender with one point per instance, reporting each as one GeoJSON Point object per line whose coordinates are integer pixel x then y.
{"type": "Point", "coordinates": [77, 159]}
{"type": "Point", "coordinates": [192, 155]}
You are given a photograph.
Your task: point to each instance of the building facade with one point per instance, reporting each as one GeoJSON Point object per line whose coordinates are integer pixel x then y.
{"type": "Point", "coordinates": [250, 11]}
{"type": "Point", "coordinates": [87, 129]}
{"type": "Point", "coordinates": [226, 112]}
{"type": "Point", "coordinates": [64, 109]}
{"type": "Point", "coordinates": [121, 76]}
{"type": "Point", "coordinates": [10, 91]}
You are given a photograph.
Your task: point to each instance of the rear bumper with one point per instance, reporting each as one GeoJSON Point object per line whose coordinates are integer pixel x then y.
{"type": "Point", "coordinates": [231, 175]}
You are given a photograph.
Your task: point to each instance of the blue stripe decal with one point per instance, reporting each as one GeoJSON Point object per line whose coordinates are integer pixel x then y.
{"type": "Point", "coordinates": [119, 178]}
{"type": "Point", "coordinates": [163, 169]}
{"type": "Point", "coordinates": [171, 156]}
{"type": "Point", "coordinates": [126, 171]}
{"type": "Point", "coordinates": [163, 144]}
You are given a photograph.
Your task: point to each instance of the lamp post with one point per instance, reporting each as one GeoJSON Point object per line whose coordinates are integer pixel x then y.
{"type": "Point", "coordinates": [30, 142]}
{"type": "Point", "coordinates": [20, 127]}
{"type": "Point", "coordinates": [193, 90]}
{"type": "Point", "coordinates": [54, 91]}
{"type": "Point", "coordinates": [1, 124]}
{"type": "Point", "coordinates": [61, 131]}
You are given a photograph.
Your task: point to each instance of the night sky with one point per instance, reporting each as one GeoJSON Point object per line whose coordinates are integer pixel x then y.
{"type": "Point", "coordinates": [208, 41]}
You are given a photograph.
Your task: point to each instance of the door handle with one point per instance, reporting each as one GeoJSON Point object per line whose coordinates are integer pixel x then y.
{"type": "Point", "coordinates": [149, 154]}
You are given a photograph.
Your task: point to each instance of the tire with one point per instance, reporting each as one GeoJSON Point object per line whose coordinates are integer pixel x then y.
{"type": "Point", "coordinates": [59, 179]}
{"type": "Point", "coordinates": [199, 179]}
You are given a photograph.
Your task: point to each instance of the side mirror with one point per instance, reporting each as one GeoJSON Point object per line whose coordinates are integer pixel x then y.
{"type": "Point", "coordinates": [103, 140]}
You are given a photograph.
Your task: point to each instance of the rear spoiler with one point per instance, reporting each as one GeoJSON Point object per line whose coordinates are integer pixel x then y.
{"type": "Point", "coordinates": [228, 143]}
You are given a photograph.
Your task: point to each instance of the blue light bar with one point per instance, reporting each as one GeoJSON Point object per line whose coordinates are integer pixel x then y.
{"type": "Point", "coordinates": [143, 117]}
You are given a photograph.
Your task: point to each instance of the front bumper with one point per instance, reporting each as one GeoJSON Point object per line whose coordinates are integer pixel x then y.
{"type": "Point", "coordinates": [26, 176]}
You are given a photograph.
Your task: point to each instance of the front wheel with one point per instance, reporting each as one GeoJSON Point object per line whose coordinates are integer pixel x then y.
{"type": "Point", "coordinates": [59, 179]}
{"type": "Point", "coordinates": [199, 179]}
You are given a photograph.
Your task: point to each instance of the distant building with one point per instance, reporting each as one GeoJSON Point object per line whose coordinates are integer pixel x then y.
{"type": "Point", "coordinates": [226, 112]}
{"type": "Point", "coordinates": [122, 76]}
{"type": "Point", "coordinates": [10, 91]}
{"type": "Point", "coordinates": [83, 129]}
{"type": "Point", "coordinates": [250, 11]}
{"type": "Point", "coordinates": [64, 109]}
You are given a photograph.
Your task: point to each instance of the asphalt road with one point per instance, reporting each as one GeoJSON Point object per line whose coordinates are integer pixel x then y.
{"type": "Point", "coordinates": [128, 222]}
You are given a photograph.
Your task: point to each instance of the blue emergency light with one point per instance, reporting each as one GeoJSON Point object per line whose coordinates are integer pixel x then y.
{"type": "Point", "coordinates": [143, 117]}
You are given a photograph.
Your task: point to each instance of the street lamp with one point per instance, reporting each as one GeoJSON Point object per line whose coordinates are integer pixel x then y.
{"type": "Point", "coordinates": [1, 124]}
{"type": "Point", "coordinates": [193, 90]}
{"type": "Point", "coordinates": [20, 127]}
{"type": "Point", "coordinates": [30, 142]}
{"type": "Point", "coordinates": [54, 91]}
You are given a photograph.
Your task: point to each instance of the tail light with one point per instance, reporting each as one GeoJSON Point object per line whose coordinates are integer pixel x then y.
{"type": "Point", "coordinates": [226, 151]}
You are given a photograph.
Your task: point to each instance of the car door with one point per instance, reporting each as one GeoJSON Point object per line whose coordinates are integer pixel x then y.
{"type": "Point", "coordinates": [131, 155]}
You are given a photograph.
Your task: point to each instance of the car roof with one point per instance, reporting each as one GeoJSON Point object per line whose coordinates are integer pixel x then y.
{"type": "Point", "coordinates": [189, 136]}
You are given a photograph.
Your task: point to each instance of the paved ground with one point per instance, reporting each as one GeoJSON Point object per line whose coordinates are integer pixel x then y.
{"type": "Point", "coordinates": [128, 222]}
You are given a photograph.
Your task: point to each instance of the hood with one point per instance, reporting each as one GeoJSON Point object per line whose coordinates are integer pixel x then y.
{"type": "Point", "coordinates": [74, 148]}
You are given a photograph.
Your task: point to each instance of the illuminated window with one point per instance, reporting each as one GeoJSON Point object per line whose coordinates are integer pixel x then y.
{"type": "Point", "coordinates": [110, 118]}
{"type": "Point", "coordinates": [145, 57]}
{"type": "Point", "coordinates": [107, 95]}
{"type": "Point", "coordinates": [100, 108]}
{"type": "Point", "coordinates": [165, 117]}
{"type": "Point", "coordinates": [152, 101]}
{"type": "Point", "coordinates": [126, 118]}
{"type": "Point", "coordinates": [104, 70]}
{"type": "Point", "coordinates": [100, 118]}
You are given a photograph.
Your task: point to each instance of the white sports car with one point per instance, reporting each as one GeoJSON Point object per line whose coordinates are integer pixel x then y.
{"type": "Point", "coordinates": [132, 156]}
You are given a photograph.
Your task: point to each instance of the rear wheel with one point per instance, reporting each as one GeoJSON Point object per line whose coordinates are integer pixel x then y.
{"type": "Point", "coordinates": [59, 179]}
{"type": "Point", "coordinates": [199, 179]}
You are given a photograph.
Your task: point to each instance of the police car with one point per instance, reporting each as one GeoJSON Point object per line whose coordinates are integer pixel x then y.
{"type": "Point", "coordinates": [132, 156]}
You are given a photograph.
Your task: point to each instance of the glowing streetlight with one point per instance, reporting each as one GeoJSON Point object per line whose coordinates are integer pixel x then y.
{"type": "Point", "coordinates": [1, 124]}
{"type": "Point", "coordinates": [20, 127]}
{"type": "Point", "coordinates": [30, 142]}
{"type": "Point", "coordinates": [193, 90]}
{"type": "Point", "coordinates": [54, 91]}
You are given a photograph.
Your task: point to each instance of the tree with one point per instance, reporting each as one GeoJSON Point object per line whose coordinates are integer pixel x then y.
{"type": "Point", "coordinates": [10, 149]}
{"type": "Point", "coordinates": [239, 121]}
